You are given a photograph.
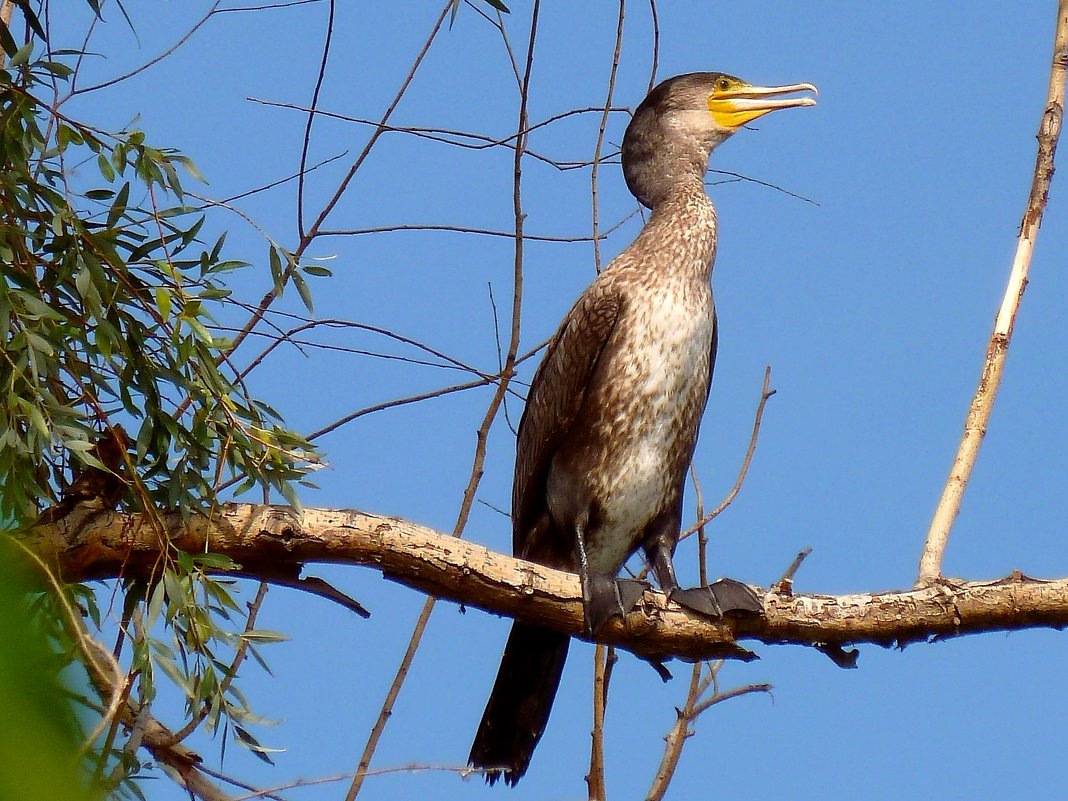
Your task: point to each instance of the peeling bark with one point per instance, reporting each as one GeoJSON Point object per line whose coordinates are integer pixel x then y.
{"type": "Point", "coordinates": [269, 540]}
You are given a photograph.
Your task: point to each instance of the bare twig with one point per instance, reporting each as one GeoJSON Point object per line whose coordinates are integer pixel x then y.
{"type": "Point", "coordinates": [268, 6]}
{"type": "Point", "coordinates": [765, 393]}
{"type": "Point", "coordinates": [702, 537]}
{"type": "Point", "coordinates": [138, 70]}
{"type": "Point", "coordinates": [600, 136]}
{"type": "Point", "coordinates": [737, 176]}
{"type": "Point", "coordinates": [677, 736]}
{"type": "Point", "coordinates": [483, 433]}
{"type": "Point", "coordinates": [736, 692]}
{"type": "Point", "coordinates": [695, 705]}
{"type": "Point", "coordinates": [335, 323]}
{"type": "Point", "coordinates": [454, 137]}
{"type": "Point", "coordinates": [306, 143]}
{"type": "Point", "coordinates": [460, 229]}
{"type": "Point", "coordinates": [313, 232]}
{"type": "Point", "coordinates": [595, 778]}
{"type": "Point", "coordinates": [975, 425]}
{"type": "Point", "coordinates": [392, 404]}
{"type": "Point", "coordinates": [785, 585]}
{"type": "Point", "coordinates": [655, 17]}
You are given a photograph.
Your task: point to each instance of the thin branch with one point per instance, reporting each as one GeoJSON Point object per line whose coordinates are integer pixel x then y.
{"type": "Point", "coordinates": [975, 426]}
{"type": "Point", "coordinates": [765, 393]}
{"type": "Point", "coordinates": [736, 692]}
{"type": "Point", "coordinates": [436, 393]}
{"type": "Point", "coordinates": [231, 672]}
{"type": "Point", "coordinates": [785, 585]}
{"type": "Point", "coordinates": [702, 537]}
{"type": "Point", "coordinates": [655, 17]}
{"type": "Point", "coordinates": [483, 433]}
{"type": "Point", "coordinates": [463, 230]}
{"type": "Point", "coordinates": [138, 70]}
{"type": "Point", "coordinates": [392, 404]}
{"type": "Point", "coordinates": [335, 323]}
{"type": "Point", "coordinates": [305, 241]}
{"type": "Point", "coordinates": [600, 135]}
{"type": "Point", "coordinates": [595, 778]}
{"type": "Point", "coordinates": [451, 136]}
{"type": "Point", "coordinates": [306, 144]}
{"type": "Point", "coordinates": [268, 186]}
{"type": "Point", "coordinates": [498, 23]}
{"type": "Point", "coordinates": [268, 6]}
{"type": "Point", "coordinates": [737, 176]}
{"type": "Point", "coordinates": [677, 736]}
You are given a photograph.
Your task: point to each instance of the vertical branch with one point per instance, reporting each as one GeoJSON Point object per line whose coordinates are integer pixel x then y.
{"type": "Point", "coordinates": [306, 146]}
{"type": "Point", "coordinates": [678, 735]}
{"type": "Point", "coordinates": [600, 136]}
{"type": "Point", "coordinates": [702, 537]}
{"type": "Point", "coordinates": [979, 414]}
{"type": "Point", "coordinates": [697, 703]}
{"type": "Point", "coordinates": [483, 432]}
{"type": "Point", "coordinates": [656, 45]}
{"type": "Point", "coordinates": [603, 657]}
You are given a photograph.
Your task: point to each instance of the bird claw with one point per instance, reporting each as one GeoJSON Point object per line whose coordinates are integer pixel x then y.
{"type": "Point", "coordinates": [605, 598]}
{"type": "Point", "coordinates": [725, 595]}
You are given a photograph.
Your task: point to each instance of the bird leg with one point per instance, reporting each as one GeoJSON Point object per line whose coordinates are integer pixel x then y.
{"type": "Point", "coordinates": [724, 595]}
{"type": "Point", "coordinates": [603, 596]}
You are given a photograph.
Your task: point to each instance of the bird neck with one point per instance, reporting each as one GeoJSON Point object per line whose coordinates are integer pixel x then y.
{"type": "Point", "coordinates": [665, 170]}
{"type": "Point", "coordinates": [679, 238]}
{"type": "Point", "coordinates": [659, 164]}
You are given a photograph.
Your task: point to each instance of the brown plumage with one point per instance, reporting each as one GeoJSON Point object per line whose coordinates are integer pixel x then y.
{"type": "Point", "coordinates": [613, 412]}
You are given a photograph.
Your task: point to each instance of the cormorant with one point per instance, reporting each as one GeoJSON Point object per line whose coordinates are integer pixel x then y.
{"type": "Point", "coordinates": [613, 411]}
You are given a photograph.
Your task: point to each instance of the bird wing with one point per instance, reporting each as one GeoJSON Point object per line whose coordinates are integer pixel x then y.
{"type": "Point", "coordinates": [714, 349]}
{"type": "Point", "coordinates": [553, 402]}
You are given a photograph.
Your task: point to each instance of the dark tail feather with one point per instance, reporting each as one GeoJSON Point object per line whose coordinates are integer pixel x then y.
{"type": "Point", "coordinates": [519, 706]}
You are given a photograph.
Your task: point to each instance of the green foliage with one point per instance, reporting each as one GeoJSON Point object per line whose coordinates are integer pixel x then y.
{"type": "Point", "coordinates": [199, 657]}
{"type": "Point", "coordinates": [39, 732]}
{"type": "Point", "coordinates": [108, 303]}
{"type": "Point", "coordinates": [106, 312]}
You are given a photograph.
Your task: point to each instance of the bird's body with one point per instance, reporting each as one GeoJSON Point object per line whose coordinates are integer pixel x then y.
{"type": "Point", "coordinates": [614, 409]}
{"type": "Point", "coordinates": [637, 420]}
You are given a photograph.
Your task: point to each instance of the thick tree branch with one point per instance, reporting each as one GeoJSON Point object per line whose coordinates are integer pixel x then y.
{"type": "Point", "coordinates": [95, 545]}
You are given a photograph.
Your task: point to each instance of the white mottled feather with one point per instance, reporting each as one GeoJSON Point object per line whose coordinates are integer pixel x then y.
{"type": "Point", "coordinates": [656, 375]}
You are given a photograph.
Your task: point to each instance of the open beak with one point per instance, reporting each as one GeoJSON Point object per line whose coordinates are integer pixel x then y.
{"type": "Point", "coordinates": [743, 103]}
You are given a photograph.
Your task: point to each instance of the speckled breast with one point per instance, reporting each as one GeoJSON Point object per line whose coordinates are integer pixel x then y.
{"type": "Point", "coordinates": [658, 379]}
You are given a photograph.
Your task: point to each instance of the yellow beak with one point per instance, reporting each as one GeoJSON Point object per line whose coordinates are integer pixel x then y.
{"type": "Point", "coordinates": [742, 103]}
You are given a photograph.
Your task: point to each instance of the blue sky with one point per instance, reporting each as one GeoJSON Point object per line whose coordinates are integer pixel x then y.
{"type": "Point", "coordinates": [872, 304]}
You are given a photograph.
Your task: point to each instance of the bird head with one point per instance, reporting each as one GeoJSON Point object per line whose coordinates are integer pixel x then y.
{"type": "Point", "coordinates": [685, 117]}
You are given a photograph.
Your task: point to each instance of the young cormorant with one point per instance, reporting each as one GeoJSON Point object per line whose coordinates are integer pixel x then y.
{"type": "Point", "coordinates": [613, 411]}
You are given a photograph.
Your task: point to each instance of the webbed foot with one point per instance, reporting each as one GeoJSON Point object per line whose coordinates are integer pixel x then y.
{"type": "Point", "coordinates": [605, 598]}
{"type": "Point", "coordinates": [725, 595]}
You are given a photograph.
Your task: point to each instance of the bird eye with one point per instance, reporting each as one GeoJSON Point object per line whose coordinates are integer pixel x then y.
{"type": "Point", "coordinates": [723, 85]}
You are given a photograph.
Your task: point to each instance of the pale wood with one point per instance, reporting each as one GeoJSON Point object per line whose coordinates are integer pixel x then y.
{"type": "Point", "coordinates": [270, 538]}
{"type": "Point", "coordinates": [993, 367]}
